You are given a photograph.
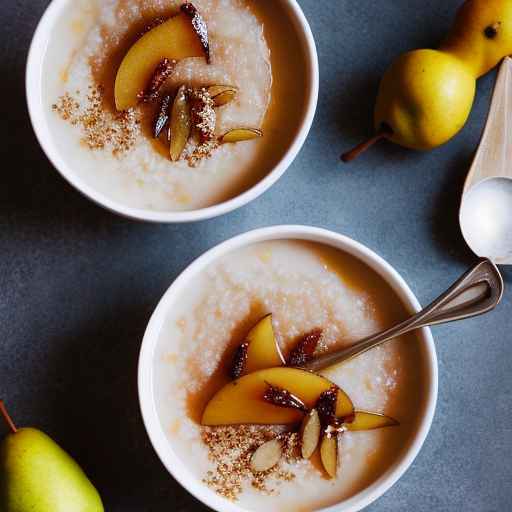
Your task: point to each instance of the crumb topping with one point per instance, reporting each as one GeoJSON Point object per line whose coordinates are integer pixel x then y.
{"type": "Point", "coordinates": [202, 151]}
{"type": "Point", "coordinates": [230, 450]}
{"type": "Point", "coordinates": [203, 112]}
{"type": "Point", "coordinates": [101, 129]}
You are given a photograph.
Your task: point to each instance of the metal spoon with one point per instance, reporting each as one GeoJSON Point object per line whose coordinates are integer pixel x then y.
{"type": "Point", "coordinates": [477, 292]}
{"type": "Point", "coordinates": [486, 209]}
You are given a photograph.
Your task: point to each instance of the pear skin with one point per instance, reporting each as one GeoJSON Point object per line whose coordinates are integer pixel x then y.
{"type": "Point", "coordinates": [425, 98]}
{"type": "Point", "coordinates": [481, 35]}
{"type": "Point", "coordinates": [36, 475]}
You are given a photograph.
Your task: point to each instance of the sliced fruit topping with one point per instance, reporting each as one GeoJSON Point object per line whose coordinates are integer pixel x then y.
{"type": "Point", "coordinates": [163, 117]}
{"type": "Point", "coordinates": [263, 351]}
{"type": "Point", "coordinates": [240, 135]}
{"type": "Point", "coordinates": [310, 434]}
{"type": "Point", "coordinates": [180, 124]}
{"type": "Point", "coordinates": [204, 117]}
{"type": "Point", "coordinates": [173, 40]}
{"type": "Point", "coordinates": [329, 453]}
{"type": "Point", "coordinates": [283, 398]}
{"type": "Point", "coordinates": [305, 349]}
{"type": "Point", "coordinates": [370, 421]}
{"type": "Point", "coordinates": [162, 72]}
{"type": "Point", "coordinates": [200, 27]}
{"type": "Point", "coordinates": [251, 408]}
{"type": "Point", "coordinates": [259, 352]}
{"type": "Point", "coordinates": [222, 94]}
{"type": "Point", "coordinates": [344, 405]}
{"type": "Point", "coordinates": [239, 361]}
{"type": "Point", "coordinates": [267, 456]}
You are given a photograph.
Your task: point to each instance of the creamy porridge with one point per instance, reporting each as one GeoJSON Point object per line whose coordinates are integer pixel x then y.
{"type": "Point", "coordinates": [252, 49]}
{"type": "Point", "coordinates": [307, 288]}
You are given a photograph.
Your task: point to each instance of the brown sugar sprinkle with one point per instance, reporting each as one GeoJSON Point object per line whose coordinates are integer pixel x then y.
{"type": "Point", "coordinates": [230, 449]}
{"type": "Point", "coordinates": [202, 151]}
{"type": "Point", "coordinates": [204, 119]}
{"type": "Point", "coordinates": [100, 129]}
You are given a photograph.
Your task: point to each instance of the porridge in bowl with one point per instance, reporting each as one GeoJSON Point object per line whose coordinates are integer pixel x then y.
{"type": "Point", "coordinates": [237, 408]}
{"type": "Point", "coordinates": [171, 105]}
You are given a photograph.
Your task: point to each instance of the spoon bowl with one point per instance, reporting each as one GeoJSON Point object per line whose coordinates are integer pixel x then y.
{"type": "Point", "coordinates": [486, 208]}
{"type": "Point", "coordinates": [486, 219]}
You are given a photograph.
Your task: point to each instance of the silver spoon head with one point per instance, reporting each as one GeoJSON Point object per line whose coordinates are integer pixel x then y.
{"type": "Point", "coordinates": [486, 219]}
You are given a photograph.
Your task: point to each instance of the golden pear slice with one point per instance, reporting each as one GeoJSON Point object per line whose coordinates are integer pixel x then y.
{"type": "Point", "coordinates": [263, 351]}
{"type": "Point", "coordinates": [222, 94]}
{"type": "Point", "coordinates": [175, 39]}
{"type": "Point", "coordinates": [329, 454]}
{"type": "Point", "coordinates": [344, 405]}
{"type": "Point", "coordinates": [267, 456]}
{"type": "Point", "coordinates": [180, 124]}
{"type": "Point", "coordinates": [241, 401]}
{"type": "Point", "coordinates": [241, 135]}
{"type": "Point", "coordinates": [310, 434]}
{"type": "Point", "coordinates": [370, 421]}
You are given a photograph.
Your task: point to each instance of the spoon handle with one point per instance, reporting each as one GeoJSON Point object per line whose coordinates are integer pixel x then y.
{"type": "Point", "coordinates": [477, 292]}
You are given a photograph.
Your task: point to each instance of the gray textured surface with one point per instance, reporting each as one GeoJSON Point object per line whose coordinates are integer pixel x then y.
{"type": "Point", "coordinates": [78, 284]}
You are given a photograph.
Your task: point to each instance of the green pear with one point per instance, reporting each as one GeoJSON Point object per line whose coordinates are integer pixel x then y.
{"type": "Point", "coordinates": [36, 475]}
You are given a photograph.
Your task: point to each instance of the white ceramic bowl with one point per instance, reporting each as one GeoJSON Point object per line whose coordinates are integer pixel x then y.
{"type": "Point", "coordinates": [37, 110]}
{"type": "Point", "coordinates": [147, 363]}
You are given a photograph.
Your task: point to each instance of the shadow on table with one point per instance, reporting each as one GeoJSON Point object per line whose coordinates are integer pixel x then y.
{"type": "Point", "coordinates": [95, 413]}
{"type": "Point", "coordinates": [445, 210]}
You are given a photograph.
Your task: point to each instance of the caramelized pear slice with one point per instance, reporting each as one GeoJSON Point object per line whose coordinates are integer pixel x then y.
{"type": "Point", "coordinates": [175, 39]}
{"type": "Point", "coordinates": [181, 124]}
{"type": "Point", "coordinates": [241, 401]}
{"type": "Point", "coordinates": [263, 351]}
{"type": "Point", "coordinates": [370, 421]}
{"type": "Point", "coordinates": [344, 405]}
{"type": "Point", "coordinates": [241, 135]}
{"type": "Point", "coordinates": [310, 434]}
{"type": "Point", "coordinates": [329, 453]}
{"type": "Point", "coordinates": [267, 456]}
{"type": "Point", "coordinates": [222, 94]}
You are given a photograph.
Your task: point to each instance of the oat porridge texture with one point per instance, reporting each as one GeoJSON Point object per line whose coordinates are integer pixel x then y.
{"type": "Point", "coordinates": [305, 286]}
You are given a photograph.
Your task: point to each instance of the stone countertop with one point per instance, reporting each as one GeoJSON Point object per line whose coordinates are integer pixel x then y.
{"type": "Point", "coordinates": [78, 284]}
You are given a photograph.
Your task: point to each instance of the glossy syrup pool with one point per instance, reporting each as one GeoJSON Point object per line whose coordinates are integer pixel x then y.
{"type": "Point", "coordinates": [304, 286]}
{"type": "Point", "coordinates": [254, 47]}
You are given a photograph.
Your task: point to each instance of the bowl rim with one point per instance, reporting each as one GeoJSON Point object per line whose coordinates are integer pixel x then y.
{"type": "Point", "coordinates": [152, 423]}
{"type": "Point", "coordinates": [33, 90]}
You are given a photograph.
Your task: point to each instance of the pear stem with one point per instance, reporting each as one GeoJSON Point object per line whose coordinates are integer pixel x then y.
{"type": "Point", "coordinates": [383, 133]}
{"type": "Point", "coordinates": [7, 418]}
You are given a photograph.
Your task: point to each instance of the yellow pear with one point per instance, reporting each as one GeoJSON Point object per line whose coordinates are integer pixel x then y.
{"type": "Point", "coordinates": [481, 35]}
{"type": "Point", "coordinates": [425, 98]}
{"type": "Point", "coordinates": [36, 475]}
{"type": "Point", "coordinates": [426, 95]}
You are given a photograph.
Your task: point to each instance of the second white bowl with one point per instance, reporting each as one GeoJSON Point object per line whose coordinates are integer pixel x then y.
{"type": "Point", "coordinates": [51, 34]}
{"type": "Point", "coordinates": [148, 360]}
